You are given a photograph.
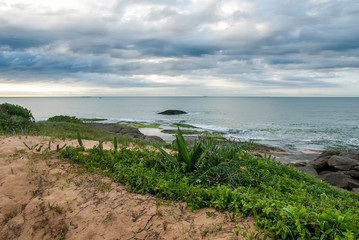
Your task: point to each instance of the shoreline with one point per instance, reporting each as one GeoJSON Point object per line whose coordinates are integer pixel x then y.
{"type": "Point", "coordinates": [281, 155]}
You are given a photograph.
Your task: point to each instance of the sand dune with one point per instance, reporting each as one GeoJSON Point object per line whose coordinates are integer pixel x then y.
{"type": "Point", "coordinates": [42, 197]}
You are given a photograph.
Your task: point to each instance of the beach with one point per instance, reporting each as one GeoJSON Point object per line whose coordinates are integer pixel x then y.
{"type": "Point", "coordinates": [43, 197]}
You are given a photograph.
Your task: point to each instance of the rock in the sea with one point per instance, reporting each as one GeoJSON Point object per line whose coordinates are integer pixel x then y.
{"type": "Point", "coordinates": [172, 112]}
{"type": "Point", "coordinates": [308, 169]}
{"type": "Point", "coordinates": [337, 179]}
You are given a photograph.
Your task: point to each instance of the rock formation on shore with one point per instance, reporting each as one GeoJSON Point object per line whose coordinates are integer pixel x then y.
{"type": "Point", "coordinates": [127, 131]}
{"type": "Point", "coordinates": [339, 168]}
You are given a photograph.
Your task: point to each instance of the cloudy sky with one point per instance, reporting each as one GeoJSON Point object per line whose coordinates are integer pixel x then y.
{"type": "Point", "coordinates": [179, 47]}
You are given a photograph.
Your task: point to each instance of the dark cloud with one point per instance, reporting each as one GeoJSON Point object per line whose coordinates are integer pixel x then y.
{"type": "Point", "coordinates": [249, 42]}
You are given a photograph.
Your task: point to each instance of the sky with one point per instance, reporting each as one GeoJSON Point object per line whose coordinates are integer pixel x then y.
{"type": "Point", "coordinates": [179, 48]}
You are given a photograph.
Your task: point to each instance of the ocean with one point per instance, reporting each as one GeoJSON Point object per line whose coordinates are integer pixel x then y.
{"type": "Point", "coordinates": [294, 124]}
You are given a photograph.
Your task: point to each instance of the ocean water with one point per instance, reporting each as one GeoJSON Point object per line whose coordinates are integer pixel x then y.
{"type": "Point", "coordinates": [295, 124]}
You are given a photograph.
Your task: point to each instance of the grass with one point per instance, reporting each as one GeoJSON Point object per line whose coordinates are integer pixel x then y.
{"type": "Point", "coordinates": [182, 125]}
{"type": "Point", "coordinates": [63, 130]}
{"type": "Point", "coordinates": [140, 125]}
{"type": "Point", "coordinates": [286, 203]}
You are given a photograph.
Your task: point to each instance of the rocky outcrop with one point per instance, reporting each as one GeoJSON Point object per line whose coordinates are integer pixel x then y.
{"type": "Point", "coordinates": [308, 169]}
{"type": "Point", "coordinates": [153, 139]}
{"type": "Point", "coordinates": [172, 112]}
{"type": "Point", "coordinates": [127, 131]}
{"type": "Point", "coordinates": [340, 168]}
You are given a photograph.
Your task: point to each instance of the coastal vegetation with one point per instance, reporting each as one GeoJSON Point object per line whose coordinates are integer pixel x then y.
{"type": "Point", "coordinates": [15, 119]}
{"type": "Point", "coordinates": [286, 203]}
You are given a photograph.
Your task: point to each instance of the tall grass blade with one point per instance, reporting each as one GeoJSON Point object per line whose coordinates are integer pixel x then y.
{"type": "Point", "coordinates": [115, 143]}
{"type": "Point", "coordinates": [80, 140]}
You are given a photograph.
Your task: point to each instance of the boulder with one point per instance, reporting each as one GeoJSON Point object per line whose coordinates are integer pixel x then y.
{"type": "Point", "coordinates": [308, 169]}
{"type": "Point", "coordinates": [344, 163]}
{"type": "Point", "coordinates": [190, 140]}
{"type": "Point", "coordinates": [352, 183]}
{"type": "Point", "coordinates": [321, 162]}
{"type": "Point", "coordinates": [153, 139]}
{"type": "Point", "coordinates": [172, 112]}
{"type": "Point", "coordinates": [119, 129]}
{"type": "Point", "coordinates": [356, 190]}
{"type": "Point", "coordinates": [352, 173]}
{"type": "Point", "coordinates": [337, 179]}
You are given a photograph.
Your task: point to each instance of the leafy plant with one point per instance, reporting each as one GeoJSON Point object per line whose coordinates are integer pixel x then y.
{"type": "Point", "coordinates": [187, 158]}
{"type": "Point", "coordinates": [79, 140]}
{"type": "Point", "coordinates": [16, 119]}
{"type": "Point", "coordinates": [64, 118]}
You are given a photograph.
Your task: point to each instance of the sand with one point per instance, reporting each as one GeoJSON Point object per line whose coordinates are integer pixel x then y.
{"type": "Point", "coordinates": [43, 197]}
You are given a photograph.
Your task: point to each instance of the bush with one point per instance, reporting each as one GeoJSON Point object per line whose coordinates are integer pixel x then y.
{"type": "Point", "coordinates": [62, 118]}
{"type": "Point", "coordinates": [15, 119]}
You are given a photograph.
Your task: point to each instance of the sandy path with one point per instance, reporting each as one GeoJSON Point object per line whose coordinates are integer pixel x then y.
{"type": "Point", "coordinates": [42, 197]}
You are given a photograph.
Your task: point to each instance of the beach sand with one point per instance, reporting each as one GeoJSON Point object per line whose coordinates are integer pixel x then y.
{"type": "Point", "coordinates": [43, 197]}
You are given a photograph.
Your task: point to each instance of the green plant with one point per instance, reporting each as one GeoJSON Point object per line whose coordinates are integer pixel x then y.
{"type": "Point", "coordinates": [187, 158]}
{"type": "Point", "coordinates": [64, 118]}
{"type": "Point", "coordinates": [16, 119]}
{"type": "Point", "coordinates": [79, 140]}
{"type": "Point", "coordinates": [286, 203]}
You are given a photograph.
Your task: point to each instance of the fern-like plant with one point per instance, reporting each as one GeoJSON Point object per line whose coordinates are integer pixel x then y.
{"type": "Point", "coordinates": [187, 158]}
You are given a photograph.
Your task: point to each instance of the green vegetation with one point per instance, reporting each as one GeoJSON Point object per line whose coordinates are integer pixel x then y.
{"type": "Point", "coordinates": [62, 118]}
{"type": "Point", "coordinates": [182, 125]}
{"type": "Point", "coordinates": [68, 129]}
{"type": "Point", "coordinates": [288, 204]}
{"type": "Point", "coordinates": [15, 119]}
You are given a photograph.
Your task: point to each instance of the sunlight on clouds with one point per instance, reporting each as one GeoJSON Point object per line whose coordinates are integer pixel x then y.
{"type": "Point", "coordinates": [40, 89]}
{"type": "Point", "coordinates": [229, 7]}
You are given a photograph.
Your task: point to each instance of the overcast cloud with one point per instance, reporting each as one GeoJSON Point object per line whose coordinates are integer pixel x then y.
{"type": "Point", "coordinates": [183, 47]}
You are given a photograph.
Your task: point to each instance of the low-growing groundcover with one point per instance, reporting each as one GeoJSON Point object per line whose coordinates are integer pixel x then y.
{"type": "Point", "coordinates": [286, 203]}
{"type": "Point", "coordinates": [15, 119]}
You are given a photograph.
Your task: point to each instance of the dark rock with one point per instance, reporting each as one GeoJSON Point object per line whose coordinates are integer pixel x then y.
{"type": "Point", "coordinates": [325, 172]}
{"type": "Point", "coordinates": [356, 168]}
{"type": "Point", "coordinates": [309, 170]}
{"type": "Point", "coordinates": [351, 153]}
{"type": "Point", "coordinates": [344, 163]}
{"type": "Point", "coordinates": [153, 139]}
{"type": "Point", "coordinates": [352, 183]}
{"type": "Point", "coordinates": [119, 129]}
{"type": "Point", "coordinates": [356, 190]}
{"type": "Point", "coordinates": [352, 173]}
{"type": "Point", "coordinates": [337, 179]}
{"type": "Point", "coordinates": [172, 112]}
{"type": "Point", "coordinates": [190, 140]}
{"type": "Point", "coordinates": [321, 162]}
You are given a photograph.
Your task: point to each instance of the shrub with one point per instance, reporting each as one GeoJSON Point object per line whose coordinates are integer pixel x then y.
{"type": "Point", "coordinates": [15, 119]}
{"type": "Point", "coordinates": [62, 118]}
